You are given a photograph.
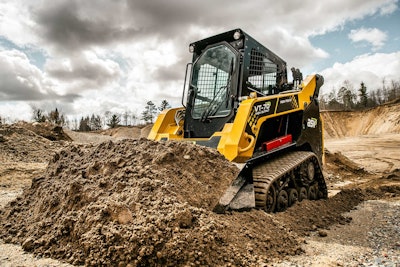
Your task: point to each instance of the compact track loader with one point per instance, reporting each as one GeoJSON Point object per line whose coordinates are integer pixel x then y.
{"type": "Point", "coordinates": [237, 99]}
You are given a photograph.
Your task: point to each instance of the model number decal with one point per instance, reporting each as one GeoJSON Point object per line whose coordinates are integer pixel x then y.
{"type": "Point", "coordinates": [312, 122]}
{"type": "Point", "coordinates": [263, 108]}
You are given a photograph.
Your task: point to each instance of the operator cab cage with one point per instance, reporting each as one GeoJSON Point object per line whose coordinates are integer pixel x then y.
{"type": "Point", "coordinates": [226, 69]}
{"type": "Point", "coordinates": [259, 69]}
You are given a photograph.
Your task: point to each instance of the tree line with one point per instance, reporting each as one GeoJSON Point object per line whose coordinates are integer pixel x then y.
{"type": "Point", "coordinates": [349, 97]}
{"type": "Point", "coordinates": [96, 122]}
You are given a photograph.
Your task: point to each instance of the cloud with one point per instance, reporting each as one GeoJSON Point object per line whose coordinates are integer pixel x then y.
{"type": "Point", "coordinates": [118, 54]}
{"type": "Point", "coordinates": [71, 25]}
{"type": "Point", "coordinates": [388, 8]}
{"type": "Point", "coordinates": [91, 71]}
{"type": "Point", "coordinates": [373, 36]}
{"type": "Point", "coordinates": [16, 23]}
{"type": "Point", "coordinates": [367, 68]}
{"type": "Point", "coordinates": [22, 81]}
{"type": "Point", "coordinates": [20, 111]}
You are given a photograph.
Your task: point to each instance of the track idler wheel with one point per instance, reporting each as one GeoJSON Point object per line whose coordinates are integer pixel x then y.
{"type": "Point", "coordinates": [302, 194]}
{"type": "Point", "coordinates": [282, 202]}
{"type": "Point", "coordinates": [293, 196]}
{"type": "Point", "coordinates": [310, 170]}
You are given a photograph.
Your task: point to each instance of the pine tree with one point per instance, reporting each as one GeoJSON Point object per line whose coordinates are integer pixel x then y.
{"type": "Point", "coordinates": [164, 105]}
{"type": "Point", "coordinates": [114, 121]}
{"type": "Point", "coordinates": [84, 124]}
{"type": "Point", "coordinates": [363, 95]}
{"type": "Point", "coordinates": [149, 112]}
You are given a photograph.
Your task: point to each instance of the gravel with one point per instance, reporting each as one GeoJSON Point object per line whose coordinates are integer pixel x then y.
{"type": "Point", "coordinates": [371, 239]}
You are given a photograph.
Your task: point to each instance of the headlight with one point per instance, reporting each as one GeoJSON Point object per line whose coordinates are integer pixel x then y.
{"type": "Point", "coordinates": [237, 35]}
{"type": "Point", "coordinates": [191, 48]}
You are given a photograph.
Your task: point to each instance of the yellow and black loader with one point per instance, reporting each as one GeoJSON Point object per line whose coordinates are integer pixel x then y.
{"type": "Point", "coordinates": [237, 99]}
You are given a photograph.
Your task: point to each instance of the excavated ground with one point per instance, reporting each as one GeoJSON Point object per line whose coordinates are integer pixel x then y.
{"type": "Point", "coordinates": [134, 202]}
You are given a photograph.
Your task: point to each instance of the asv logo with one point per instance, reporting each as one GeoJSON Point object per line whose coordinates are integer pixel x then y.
{"type": "Point", "coordinates": [312, 122]}
{"type": "Point", "coordinates": [263, 108]}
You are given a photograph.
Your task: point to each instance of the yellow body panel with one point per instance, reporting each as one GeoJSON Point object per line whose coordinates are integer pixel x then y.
{"type": "Point", "coordinates": [235, 143]}
{"type": "Point", "coordinates": [166, 127]}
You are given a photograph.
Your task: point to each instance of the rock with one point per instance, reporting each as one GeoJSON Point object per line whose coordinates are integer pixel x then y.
{"type": "Point", "coordinates": [28, 244]}
{"type": "Point", "coordinates": [322, 233]}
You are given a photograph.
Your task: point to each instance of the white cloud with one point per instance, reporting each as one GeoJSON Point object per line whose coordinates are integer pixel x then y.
{"type": "Point", "coordinates": [373, 36]}
{"type": "Point", "coordinates": [20, 111]}
{"type": "Point", "coordinates": [388, 8]}
{"type": "Point", "coordinates": [82, 71]}
{"type": "Point", "coordinates": [22, 81]}
{"type": "Point", "coordinates": [16, 23]}
{"type": "Point", "coordinates": [370, 69]}
{"type": "Point", "coordinates": [119, 54]}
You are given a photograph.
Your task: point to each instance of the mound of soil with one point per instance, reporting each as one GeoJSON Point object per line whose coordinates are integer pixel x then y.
{"type": "Point", "coordinates": [145, 203]}
{"type": "Point", "coordinates": [139, 203]}
{"type": "Point", "coordinates": [135, 132]}
{"type": "Point", "coordinates": [18, 144]}
{"type": "Point", "coordinates": [123, 132]}
{"type": "Point", "coordinates": [337, 160]}
{"type": "Point", "coordinates": [46, 130]}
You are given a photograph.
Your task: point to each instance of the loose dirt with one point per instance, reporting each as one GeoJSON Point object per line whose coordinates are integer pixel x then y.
{"type": "Point", "coordinates": [141, 203]}
{"type": "Point", "coordinates": [112, 200]}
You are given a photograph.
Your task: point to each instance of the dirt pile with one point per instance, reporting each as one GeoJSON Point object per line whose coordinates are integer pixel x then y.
{"type": "Point", "coordinates": [141, 203]}
{"type": "Point", "coordinates": [46, 130]}
{"type": "Point", "coordinates": [145, 203]}
{"type": "Point", "coordinates": [128, 131]}
{"type": "Point", "coordinates": [336, 163]}
{"type": "Point", "coordinates": [18, 144]}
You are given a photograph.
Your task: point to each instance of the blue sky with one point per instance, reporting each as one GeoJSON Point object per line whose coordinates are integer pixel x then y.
{"type": "Point", "coordinates": [94, 56]}
{"type": "Point", "coordinates": [342, 49]}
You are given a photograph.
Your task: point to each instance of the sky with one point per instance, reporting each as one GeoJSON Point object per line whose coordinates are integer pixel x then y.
{"type": "Point", "coordinates": [89, 57]}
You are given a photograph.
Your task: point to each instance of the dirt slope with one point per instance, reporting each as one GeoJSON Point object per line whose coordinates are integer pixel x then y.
{"type": "Point", "coordinates": [380, 120]}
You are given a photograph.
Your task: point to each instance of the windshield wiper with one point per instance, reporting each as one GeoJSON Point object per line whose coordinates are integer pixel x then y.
{"type": "Point", "coordinates": [214, 106]}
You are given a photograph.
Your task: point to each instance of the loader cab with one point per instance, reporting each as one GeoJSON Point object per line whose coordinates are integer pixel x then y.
{"type": "Point", "coordinates": [225, 69]}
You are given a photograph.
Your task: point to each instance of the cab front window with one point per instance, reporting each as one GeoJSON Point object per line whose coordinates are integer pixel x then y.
{"type": "Point", "coordinates": [211, 80]}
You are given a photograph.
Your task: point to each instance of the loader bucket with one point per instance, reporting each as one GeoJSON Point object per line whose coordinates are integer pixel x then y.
{"type": "Point", "coordinates": [238, 196]}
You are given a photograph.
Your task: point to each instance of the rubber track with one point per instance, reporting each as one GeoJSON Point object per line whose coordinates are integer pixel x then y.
{"type": "Point", "coordinates": [265, 174]}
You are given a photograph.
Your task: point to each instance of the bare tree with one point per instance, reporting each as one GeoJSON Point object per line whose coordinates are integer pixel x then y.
{"type": "Point", "coordinates": [125, 116]}
{"type": "Point", "coordinates": [38, 115]}
{"type": "Point", "coordinates": [95, 122]}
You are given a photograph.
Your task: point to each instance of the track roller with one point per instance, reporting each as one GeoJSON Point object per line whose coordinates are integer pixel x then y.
{"type": "Point", "coordinates": [302, 193]}
{"type": "Point", "coordinates": [282, 202]}
{"type": "Point", "coordinates": [293, 196]}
